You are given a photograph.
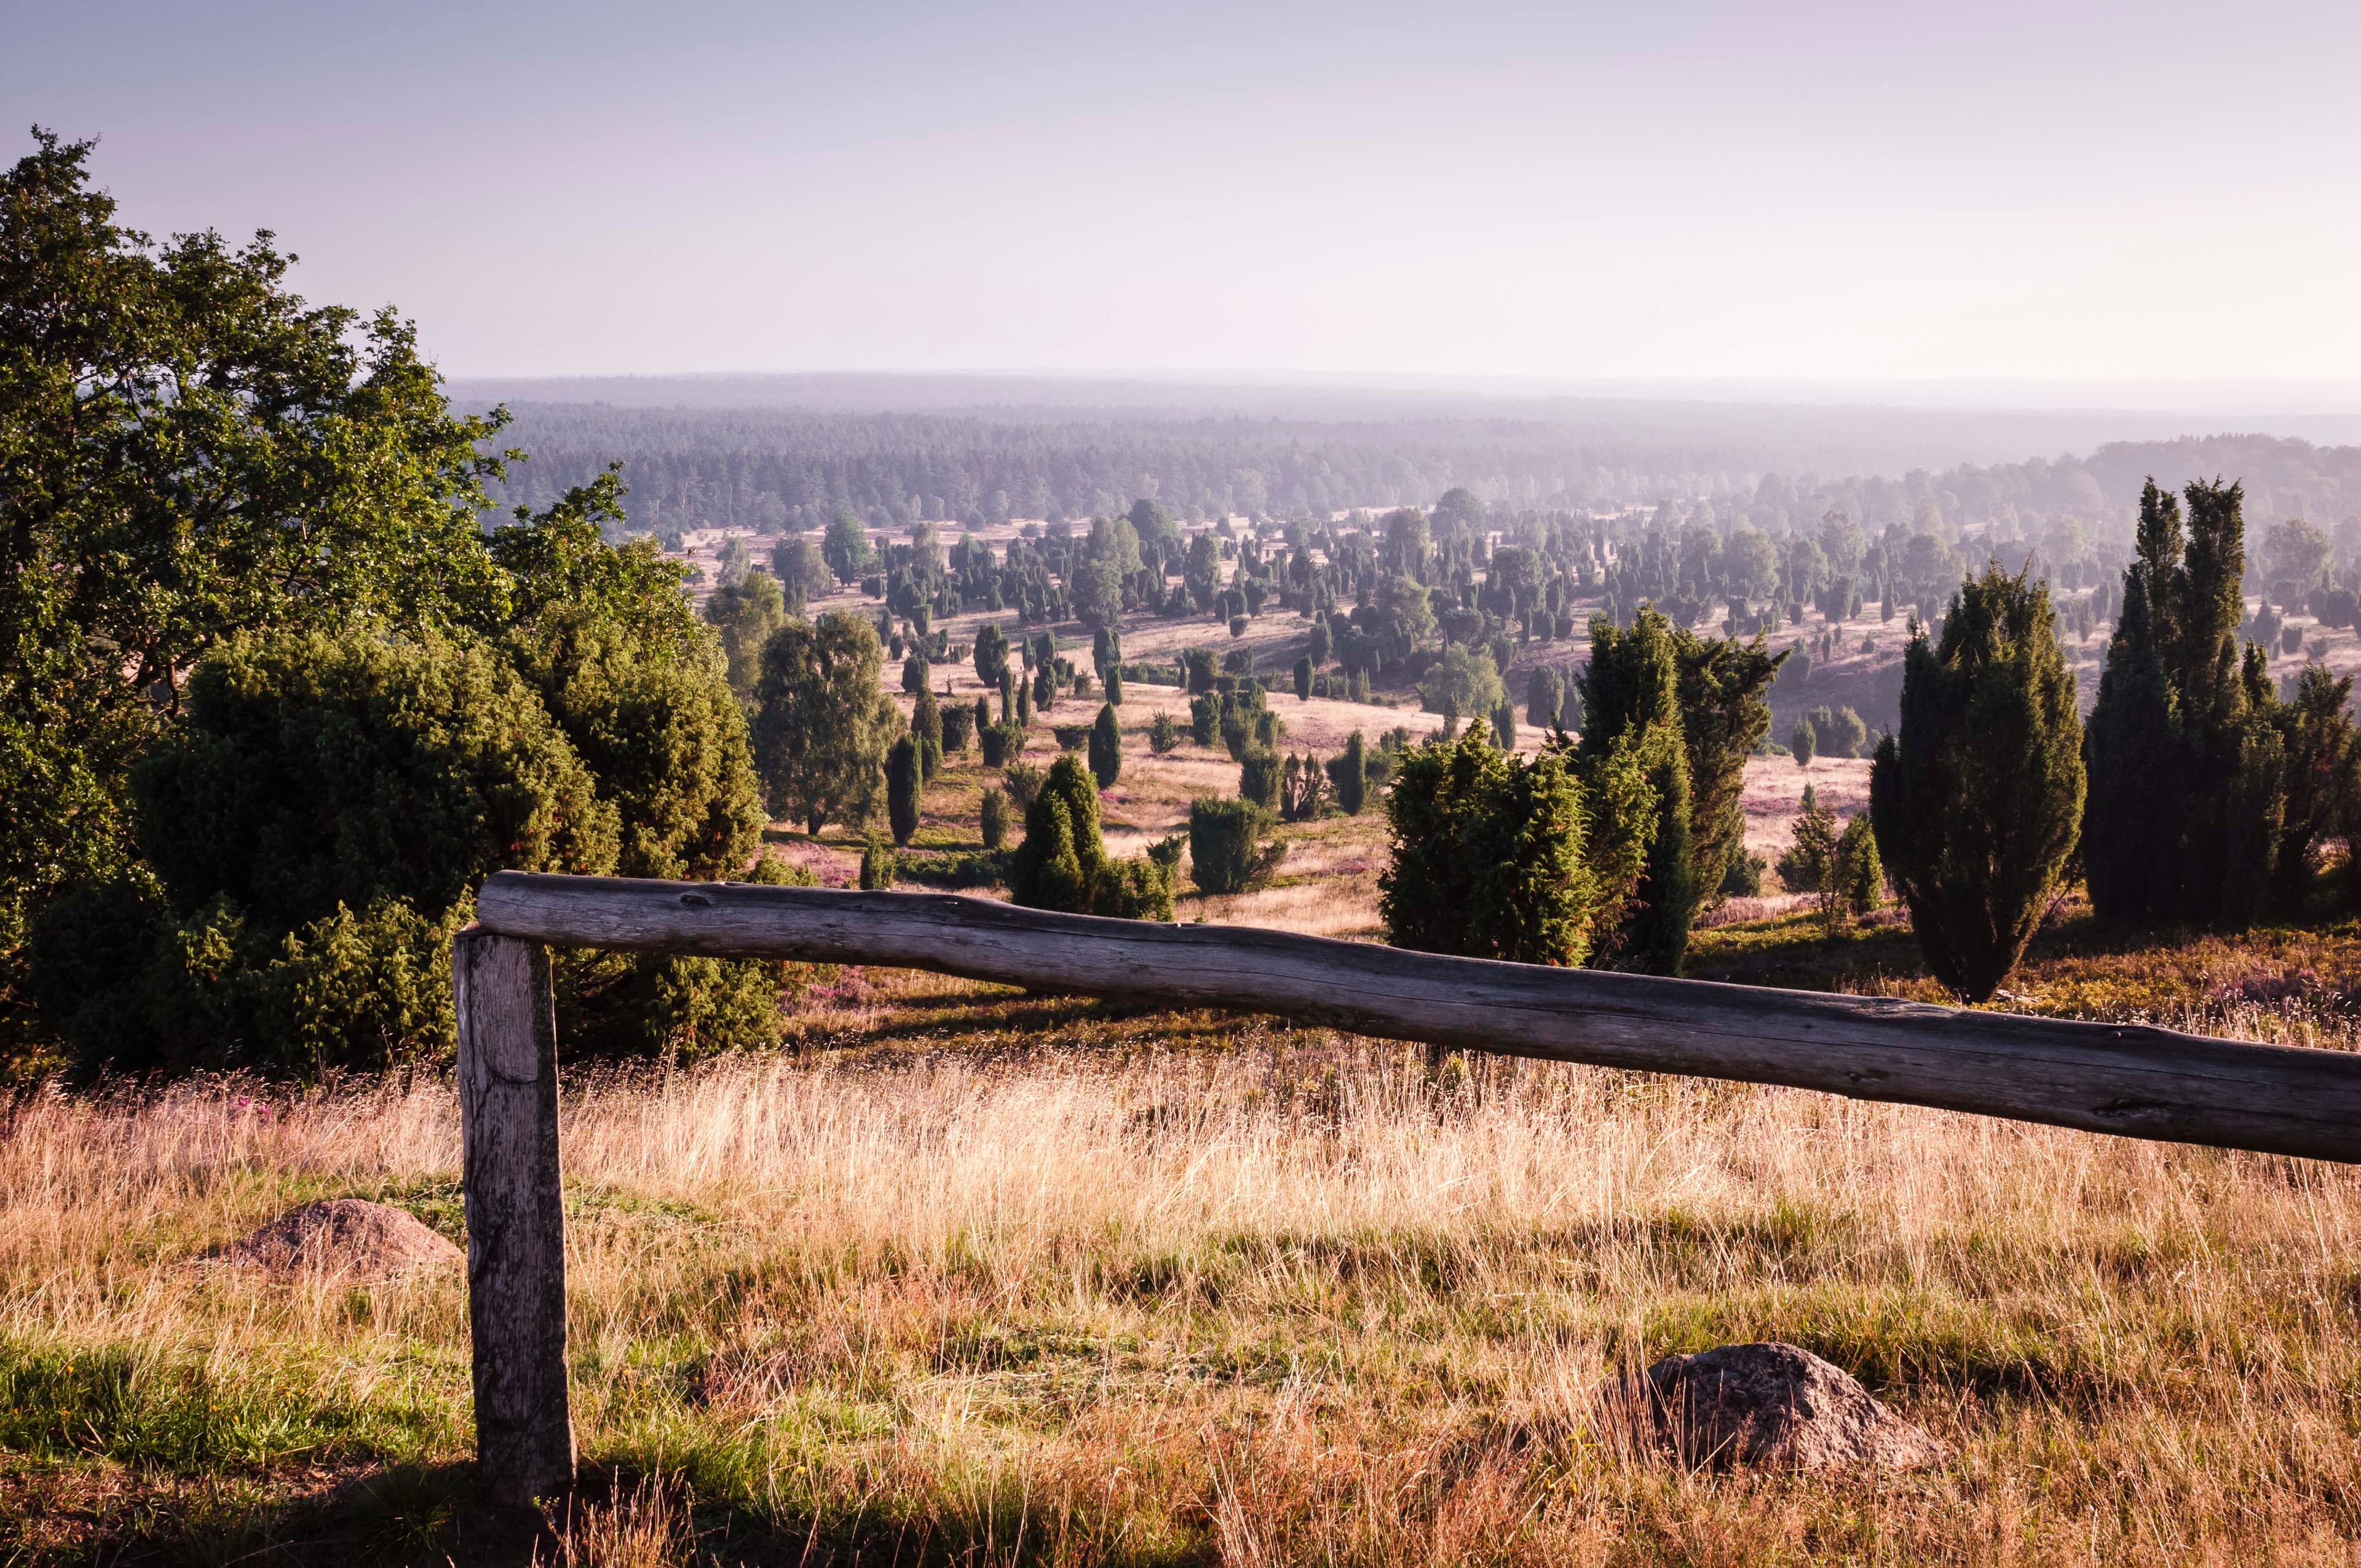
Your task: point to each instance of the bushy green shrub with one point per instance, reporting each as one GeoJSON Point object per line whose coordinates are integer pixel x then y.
{"type": "Point", "coordinates": [312, 771]}
{"type": "Point", "coordinates": [1062, 865]}
{"type": "Point", "coordinates": [1631, 711]}
{"type": "Point", "coordinates": [1743, 877]}
{"type": "Point", "coordinates": [1348, 775]}
{"type": "Point", "coordinates": [1199, 664]}
{"type": "Point", "coordinates": [646, 707]}
{"type": "Point", "coordinates": [1106, 748]}
{"type": "Point", "coordinates": [1838, 732]}
{"type": "Point", "coordinates": [927, 728]}
{"type": "Point", "coordinates": [1303, 677]}
{"type": "Point", "coordinates": [2197, 769]}
{"type": "Point", "coordinates": [1226, 852]}
{"type": "Point", "coordinates": [1259, 775]}
{"type": "Point", "coordinates": [1302, 790]}
{"type": "Point", "coordinates": [1544, 696]}
{"type": "Point", "coordinates": [991, 655]}
{"type": "Point", "coordinates": [1163, 734]}
{"type": "Point", "coordinates": [1205, 718]}
{"type": "Point", "coordinates": [318, 824]}
{"type": "Point", "coordinates": [1976, 802]}
{"type": "Point", "coordinates": [876, 862]}
{"type": "Point", "coordinates": [958, 727]}
{"type": "Point", "coordinates": [1857, 876]}
{"type": "Point", "coordinates": [905, 782]}
{"type": "Point", "coordinates": [1810, 858]}
{"type": "Point", "coordinates": [1490, 853]}
{"type": "Point", "coordinates": [1504, 725]}
{"type": "Point", "coordinates": [1463, 684]}
{"type": "Point", "coordinates": [1023, 782]}
{"type": "Point", "coordinates": [993, 824]}
{"type": "Point", "coordinates": [1803, 742]}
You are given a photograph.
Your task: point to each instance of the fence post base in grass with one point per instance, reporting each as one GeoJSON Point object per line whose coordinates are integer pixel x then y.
{"type": "Point", "coordinates": [516, 1216]}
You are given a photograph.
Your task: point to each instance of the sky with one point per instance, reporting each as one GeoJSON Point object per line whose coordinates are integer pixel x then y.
{"type": "Point", "coordinates": [1809, 192]}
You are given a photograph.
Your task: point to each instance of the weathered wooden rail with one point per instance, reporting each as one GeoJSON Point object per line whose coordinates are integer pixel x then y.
{"type": "Point", "coordinates": [2130, 1079]}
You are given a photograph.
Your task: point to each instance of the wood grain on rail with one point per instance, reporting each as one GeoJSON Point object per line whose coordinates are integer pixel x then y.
{"type": "Point", "coordinates": [2132, 1080]}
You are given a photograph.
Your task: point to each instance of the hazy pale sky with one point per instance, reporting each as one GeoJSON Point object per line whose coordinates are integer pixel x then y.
{"type": "Point", "coordinates": [1804, 190]}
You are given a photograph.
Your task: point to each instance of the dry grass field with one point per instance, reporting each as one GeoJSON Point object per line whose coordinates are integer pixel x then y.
{"type": "Point", "coordinates": [978, 1277]}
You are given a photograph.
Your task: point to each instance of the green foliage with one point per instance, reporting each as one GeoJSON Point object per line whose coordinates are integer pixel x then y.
{"type": "Point", "coordinates": [1259, 775]}
{"type": "Point", "coordinates": [1743, 876]}
{"type": "Point", "coordinates": [1803, 742]}
{"type": "Point", "coordinates": [926, 725]}
{"type": "Point", "coordinates": [1023, 782]}
{"type": "Point", "coordinates": [1810, 859]}
{"type": "Point", "coordinates": [1504, 725]}
{"type": "Point", "coordinates": [190, 451]}
{"type": "Point", "coordinates": [1163, 734]}
{"type": "Point", "coordinates": [1199, 665]}
{"type": "Point", "coordinates": [1226, 851]}
{"type": "Point", "coordinates": [992, 825]}
{"type": "Point", "coordinates": [906, 784]}
{"type": "Point", "coordinates": [745, 614]}
{"type": "Point", "coordinates": [1062, 865]}
{"type": "Point", "coordinates": [991, 655]}
{"type": "Point", "coordinates": [821, 723]}
{"type": "Point", "coordinates": [1838, 732]}
{"type": "Point", "coordinates": [2322, 778]}
{"type": "Point", "coordinates": [1856, 880]}
{"type": "Point", "coordinates": [318, 823]}
{"type": "Point", "coordinates": [1106, 748]}
{"type": "Point", "coordinates": [1400, 615]}
{"type": "Point", "coordinates": [1463, 684]}
{"type": "Point", "coordinates": [1302, 789]}
{"type": "Point", "coordinates": [1976, 802]}
{"type": "Point", "coordinates": [133, 989]}
{"type": "Point", "coordinates": [2201, 781]}
{"type": "Point", "coordinates": [958, 723]}
{"type": "Point", "coordinates": [311, 771]}
{"type": "Point", "coordinates": [1488, 856]}
{"type": "Point", "coordinates": [876, 862]}
{"type": "Point", "coordinates": [1348, 774]}
{"type": "Point", "coordinates": [846, 549]}
{"type": "Point", "coordinates": [1204, 720]}
{"type": "Point", "coordinates": [1544, 698]}
{"type": "Point", "coordinates": [1631, 714]}
{"type": "Point", "coordinates": [1114, 685]}
{"type": "Point", "coordinates": [645, 705]}
{"type": "Point", "coordinates": [802, 571]}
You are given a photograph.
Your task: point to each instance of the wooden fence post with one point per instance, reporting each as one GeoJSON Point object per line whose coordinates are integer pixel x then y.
{"type": "Point", "coordinates": [516, 1216]}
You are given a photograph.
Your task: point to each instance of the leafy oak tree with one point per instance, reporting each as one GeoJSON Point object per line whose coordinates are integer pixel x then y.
{"type": "Point", "coordinates": [192, 452]}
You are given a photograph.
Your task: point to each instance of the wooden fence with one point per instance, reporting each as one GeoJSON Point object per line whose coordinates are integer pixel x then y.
{"type": "Point", "coordinates": [2130, 1079]}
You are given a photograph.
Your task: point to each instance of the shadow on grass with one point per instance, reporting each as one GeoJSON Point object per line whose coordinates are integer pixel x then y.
{"type": "Point", "coordinates": [435, 1515]}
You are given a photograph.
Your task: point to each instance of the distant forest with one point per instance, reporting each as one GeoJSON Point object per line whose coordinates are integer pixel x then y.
{"type": "Point", "coordinates": [784, 468]}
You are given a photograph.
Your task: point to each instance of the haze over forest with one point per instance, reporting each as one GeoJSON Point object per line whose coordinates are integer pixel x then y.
{"type": "Point", "coordinates": [793, 451]}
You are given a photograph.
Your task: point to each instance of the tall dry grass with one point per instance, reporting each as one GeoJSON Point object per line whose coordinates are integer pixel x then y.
{"type": "Point", "coordinates": [1296, 1299]}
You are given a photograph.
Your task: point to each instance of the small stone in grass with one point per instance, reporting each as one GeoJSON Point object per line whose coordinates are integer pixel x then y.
{"type": "Point", "coordinates": [1769, 1405]}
